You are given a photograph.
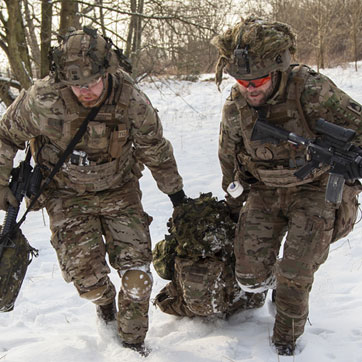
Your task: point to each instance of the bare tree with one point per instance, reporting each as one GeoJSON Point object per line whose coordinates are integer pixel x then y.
{"type": "Point", "coordinates": [316, 24]}
{"type": "Point", "coordinates": [45, 36]}
{"type": "Point", "coordinates": [6, 94]}
{"type": "Point", "coordinates": [13, 41]}
{"type": "Point", "coordinates": [69, 16]}
{"type": "Point", "coordinates": [30, 30]}
{"type": "Point", "coordinates": [353, 13]}
{"type": "Point", "coordinates": [134, 36]}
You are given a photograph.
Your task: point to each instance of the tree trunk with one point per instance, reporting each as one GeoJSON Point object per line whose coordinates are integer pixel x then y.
{"type": "Point", "coordinates": [68, 16]}
{"type": "Point", "coordinates": [45, 36]}
{"type": "Point", "coordinates": [6, 95]}
{"type": "Point", "coordinates": [131, 29]}
{"type": "Point", "coordinates": [17, 47]}
{"type": "Point", "coordinates": [138, 35]}
{"type": "Point", "coordinates": [32, 40]}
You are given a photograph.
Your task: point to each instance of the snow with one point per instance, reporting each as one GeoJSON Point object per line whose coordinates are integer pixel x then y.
{"type": "Point", "coordinates": [51, 323]}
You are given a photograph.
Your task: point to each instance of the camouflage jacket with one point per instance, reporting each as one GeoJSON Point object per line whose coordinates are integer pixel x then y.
{"type": "Point", "coordinates": [125, 134]}
{"type": "Point", "coordinates": [303, 96]}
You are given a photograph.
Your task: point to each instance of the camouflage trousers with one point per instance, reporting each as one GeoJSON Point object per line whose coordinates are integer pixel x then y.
{"type": "Point", "coordinates": [85, 229]}
{"type": "Point", "coordinates": [308, 221]}
{"type": "Point", "coordinates": [205, 287]}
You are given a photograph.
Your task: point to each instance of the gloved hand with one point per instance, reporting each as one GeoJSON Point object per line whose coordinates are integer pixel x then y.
{"type": "Point", "coordinates": [178, 198]}
{"type": "Point", "coordinates": [6, 198]}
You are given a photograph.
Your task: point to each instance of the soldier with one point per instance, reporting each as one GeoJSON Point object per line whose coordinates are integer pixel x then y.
{"type": "Point", "coordinates": [96, 192]}
{"type": "Point", "coordinates": [257, 54]}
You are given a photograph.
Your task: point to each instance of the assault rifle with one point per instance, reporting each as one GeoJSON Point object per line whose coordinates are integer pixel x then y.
{"type": "Point", "coordinates": [25, 181]}
{"type": "Point", "coordinates": [332, 148]}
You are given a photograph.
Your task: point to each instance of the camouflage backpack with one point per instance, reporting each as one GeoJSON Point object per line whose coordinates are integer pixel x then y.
{"type": "Point", "coordinates": [164, 255]}
{"type": "Point", "coordinates": [198, 257]}
{"type": "Point", "coordinates": [14, 262]}
{"type": "Point", "coordinates": [346, 214]}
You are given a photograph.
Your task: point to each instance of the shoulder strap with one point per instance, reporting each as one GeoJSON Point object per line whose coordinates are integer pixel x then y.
{"type": "Point", "coordinates": [123, 98]}
{"type": "Point", "coordinates": [299, 81]}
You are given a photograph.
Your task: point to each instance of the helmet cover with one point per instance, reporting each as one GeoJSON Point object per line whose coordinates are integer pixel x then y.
{"type": "Point", "coordinates": [254, 48]}
{"type": "Point", "coordinates": [83, 57]}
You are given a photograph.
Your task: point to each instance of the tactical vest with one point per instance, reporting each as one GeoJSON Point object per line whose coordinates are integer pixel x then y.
{"type": "Point", "coordinates": [105, 154]}
{"type": "Point", "coordinates": [275, 164]}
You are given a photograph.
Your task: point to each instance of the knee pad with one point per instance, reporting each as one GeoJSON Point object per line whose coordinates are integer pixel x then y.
{"type": "Point", "coordinates": [137, 284]}
{"type": "Point", "coordinates": [269, 283]}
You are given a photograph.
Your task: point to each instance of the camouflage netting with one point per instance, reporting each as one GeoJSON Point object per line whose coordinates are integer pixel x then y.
{"type": "Point", "coordinates": [198, 257]}
{"type": "Point", "coordinates": [200, 228]}
{"type": "Point", "coordinates": [263, 40]}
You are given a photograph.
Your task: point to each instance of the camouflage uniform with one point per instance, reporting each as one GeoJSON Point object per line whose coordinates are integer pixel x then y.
{"type": "Point", "coordinates": [277, 202]}
{"type": "Point", "coordinates": [96, 193]}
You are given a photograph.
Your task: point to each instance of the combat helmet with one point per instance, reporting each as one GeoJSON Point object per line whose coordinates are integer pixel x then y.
{"type": "Point", "coordinates": [83, 56]}
{"type": "Point", "coordinates": [254, 48]}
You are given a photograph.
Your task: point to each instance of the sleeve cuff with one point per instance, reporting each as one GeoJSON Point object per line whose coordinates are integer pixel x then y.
{"type": "Point", "coordinates": [178, 198]}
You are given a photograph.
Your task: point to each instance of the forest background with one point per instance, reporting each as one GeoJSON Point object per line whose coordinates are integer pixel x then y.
{"type": "Point", "coordinates": [168, 37]}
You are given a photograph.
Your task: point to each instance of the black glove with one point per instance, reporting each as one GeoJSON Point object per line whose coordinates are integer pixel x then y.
{"type": "Point", "coordinates": [178, 198]}
{"type": "Point", "coordinates": [234, 216]}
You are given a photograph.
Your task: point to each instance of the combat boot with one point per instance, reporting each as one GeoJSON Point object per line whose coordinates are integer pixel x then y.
{"type": "Point", "coordinates": [107, 313]}
{"type": "Point", "coordinates": [284, 349]}
{"type": "Point", "coordinates": [138, 347]}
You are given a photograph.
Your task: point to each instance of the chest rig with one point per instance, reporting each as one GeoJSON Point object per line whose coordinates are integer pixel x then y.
{"type": "Point", "coordinates": [275, 164]}
{"type": "Point", "coordinates": [103, 157]}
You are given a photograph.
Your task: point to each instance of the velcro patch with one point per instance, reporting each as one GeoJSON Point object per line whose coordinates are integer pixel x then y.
{"type": "Point", "coordinates": [354, 107]}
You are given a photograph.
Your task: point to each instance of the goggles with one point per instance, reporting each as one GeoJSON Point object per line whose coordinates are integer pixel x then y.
{"type": "Point", "coordinates": [88, 86]}
{"type": "Point", "coordinates": [254, 82]}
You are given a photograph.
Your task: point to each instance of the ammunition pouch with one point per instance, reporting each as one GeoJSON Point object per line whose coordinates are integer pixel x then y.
{"type": "Point", "coordinates": [204, 287]}
{"type": "Point", "coordinates": [163, 255]}
{"type": "Point", "coordinates": [346, 214]}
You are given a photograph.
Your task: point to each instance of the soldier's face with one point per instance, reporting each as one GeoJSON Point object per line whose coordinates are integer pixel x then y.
{"type": "Point", "coordinates": [256, 92]}
{"type": "Point", "coordinates": [89, 94]}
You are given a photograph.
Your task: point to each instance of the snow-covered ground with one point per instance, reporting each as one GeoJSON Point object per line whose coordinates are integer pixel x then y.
{"type": "Point", "coordinates": [51, 323]}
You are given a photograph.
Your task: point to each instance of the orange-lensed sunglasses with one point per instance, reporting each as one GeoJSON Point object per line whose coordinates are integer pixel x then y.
{"type": "Point", "coordinates": [254, 82]}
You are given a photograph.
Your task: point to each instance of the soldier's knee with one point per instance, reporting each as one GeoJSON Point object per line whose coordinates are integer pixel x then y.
{"type": "Point", "coordinates": [251, 284]}
{"type": "Point", "coordinates": [295, 274]}
{"type": "Point", "coordinates": [137, 284]}
{"type": "Point", "coordinates": [102, 292]}
{"type": "Point", "coordinates": [94, 294]}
